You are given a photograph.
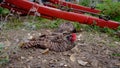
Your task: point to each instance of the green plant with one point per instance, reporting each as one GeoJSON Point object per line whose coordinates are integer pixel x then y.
{"type": "Point", "coordinates": [4, 58]}
{"type": "Point", "coordinates": [55, 23]}
{"type": "Point", "coordinates": [116, 18]}
{"type": "Point", "coordinates": [4, 11]}
{"type": "Point", "coordinates": [13, 24]}
{"type": "Point", "coordinates": [117, 54]}
{"type": "Point", "coordinates": [85, 2]}
{"type": "Point", "coordinates": [108, 30]}
{"type": "Point", "coordinates": [110, 8]}
{"type": "Point", "coordinates": [77, 26]}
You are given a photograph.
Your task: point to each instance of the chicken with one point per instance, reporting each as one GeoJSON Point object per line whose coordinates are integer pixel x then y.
{"type": "Point", "coordinates": [66, 27]}
{"type": "Point", "coordinates": [54, 42]}
{"type": "Point", "coordinates": [63, 39]}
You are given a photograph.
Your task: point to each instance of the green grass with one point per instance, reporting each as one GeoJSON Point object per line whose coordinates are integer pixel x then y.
{"type": "Point", "coordinates": [37, 23]}
{"type": "Point", "coordinates": [4, 11]}
{"type": "Point", "coordinates": [30, 23]}
{"type": "Point", "coordinates": [117, 54]}
{"type": "Point", "coordinates": [4, 58]}
{"type": "Point", "coordinates": [117, 18]}
{"type": "Point", "coordinates": [111, 9]}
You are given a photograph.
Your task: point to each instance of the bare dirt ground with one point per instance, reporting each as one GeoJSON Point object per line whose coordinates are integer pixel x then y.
{"type": "Point", "coordinates": [92, 50]}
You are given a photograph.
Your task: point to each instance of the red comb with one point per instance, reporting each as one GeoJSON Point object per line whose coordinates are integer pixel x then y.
{"type": "Point", "coordinates": [73, 37]}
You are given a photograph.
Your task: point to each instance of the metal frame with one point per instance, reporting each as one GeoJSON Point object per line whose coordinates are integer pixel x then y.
{"type": "Point", "coordinates": [24, 6]}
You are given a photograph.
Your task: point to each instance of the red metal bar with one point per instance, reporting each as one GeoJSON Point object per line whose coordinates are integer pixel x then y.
{"type": "Point", "coordinates": [75, 6]}
{"type": "Point", "coordinates": [50, 5]}
{"type": "Point", "coordinates": [26, 5]}
{"type": "Point", "coordinates": [23, 12]}
{"type": "Point", "coordinates": [15, 9]}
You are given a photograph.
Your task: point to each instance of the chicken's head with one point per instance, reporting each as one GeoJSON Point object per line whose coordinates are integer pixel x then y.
{"type": "Point", "coordinates": [72, 37]}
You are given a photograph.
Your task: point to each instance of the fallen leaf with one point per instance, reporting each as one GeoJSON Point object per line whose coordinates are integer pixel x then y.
{"type": "Point", "coordinates": [72, 58]}
{"type": "Point", "coordinates": [65, 65]}
{"type": "Point", "coordinates": [83, 63]}
{"type": "Point", "coordinates": [46, 51]}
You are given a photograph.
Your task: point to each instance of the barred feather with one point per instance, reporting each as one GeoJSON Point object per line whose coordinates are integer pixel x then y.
{"type": "Point", "coordinates": [58, 43]}
{"type": "Point", "coordinates": [66, 27]}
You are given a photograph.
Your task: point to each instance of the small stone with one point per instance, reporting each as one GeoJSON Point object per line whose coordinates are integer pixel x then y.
{"type": "Point", "coordinates": [39, 57]}
{"type": "Point", "coordinates": [39, 34]}
{"type": "Point", "coordinates": [91, 34]}
{"type": "Point", "coordinates": [72, 58]}
{"type": "Point", "coordinates": [61, 64]}
{"type": "Point", "coordinates": [83, 63]}
{"type": "Point", "coordinates": [66, 54]}
{"type": "Point", "coordinates": [33, 34]}
{"type": "Point", "coordinates": [118, 64]}
{"type": "Point", "coordinates": [116, 42]}
{"type": "Point", "coordinates": [22, 57]}
{"type": "Point", "coordinates": [65, 65]}
{"type": "Point", "coordinates": [30, 57]}
{"type": "Point", "coordinates": [17, 40]}
{"type": "Point", "coordinates": [23, 29]}
{"type": "Point", "coordinates": [6, 48]}
{"type": "Point", "coordinates": [30, 37]}
{"type": "Point", "coordinates": [29, 34]}
{"type": "Point", "coordinates": [44, 60]}
{"type": "Point", "coordinates": [79, 37]}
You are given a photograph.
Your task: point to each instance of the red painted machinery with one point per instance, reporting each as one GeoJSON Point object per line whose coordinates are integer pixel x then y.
{"type": "Point", "coordinates": [60, 9]}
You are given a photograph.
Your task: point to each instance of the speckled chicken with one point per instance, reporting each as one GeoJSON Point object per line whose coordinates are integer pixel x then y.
{"type": "Point", "coordinates": [63, 39]}
{"type": "Point", "coordinates": [66, 27]}
{"type": "Point", "coordinates": [55, 42]}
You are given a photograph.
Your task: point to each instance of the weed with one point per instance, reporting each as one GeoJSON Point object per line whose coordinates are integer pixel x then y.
{"type": "Point", "coordinates": [77, 26]}
{"type": "Point", "coordinates": [85, 2]}
{"type": "Point", "coordinates": [55, 23]}
{"type": "Point", "coordinates": [117, 55]}
{"type": "Point", "coordinates": [13, 24]}
{"type": "Point", "coordinates": [4, 58]}
{"type": "Point", "coordinates": [117, 18]}
{"type": "Point", "coordinates": [4, 11]}
{"type": "Point", "coordinates": [110, 8]}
